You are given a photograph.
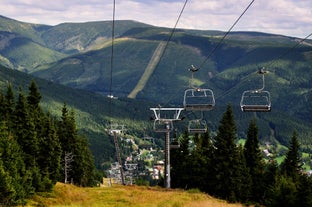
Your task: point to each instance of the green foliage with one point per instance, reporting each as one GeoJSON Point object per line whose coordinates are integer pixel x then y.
{"type": "Point", "coordinates": [254, 162]}
{"type": "Point", "coordinates": [82, 170]}
{"type": "Point", "coordinates": [30, 149]}
{"type": "Point", "coordinates": [231, 180]}
{"type": "Point", "coordinates": [230, 71]}
{"type": "Point", "coordinates": [7, 191]}
{"type": "Point", "coordinates": [292, 163]}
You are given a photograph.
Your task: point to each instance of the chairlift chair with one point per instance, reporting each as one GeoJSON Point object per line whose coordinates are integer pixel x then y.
{"type": "Point", "coordinates": [174, 144]}
{"type": "Point", "coordinates": [160, 126]}
{"type": "Point", "coordinates": [256, 100]}
{"type": "Point", "coordinates": [197, 99]}
{"type": "Point", "coordinates": [197, 126]}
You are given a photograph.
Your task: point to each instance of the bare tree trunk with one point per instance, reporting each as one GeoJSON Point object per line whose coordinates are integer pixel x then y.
{"type": "Point", "coordinates": [68, 159]}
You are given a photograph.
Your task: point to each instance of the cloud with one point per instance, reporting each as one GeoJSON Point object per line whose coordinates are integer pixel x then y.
{"type": "Point", "coordinates": [287, 17]}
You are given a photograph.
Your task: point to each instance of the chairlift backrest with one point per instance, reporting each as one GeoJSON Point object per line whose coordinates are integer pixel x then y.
{"type": "Point", "coordinates": [197, 126]}
{"type": "Point", "coordinates": [160, 126]}
{"type": "Point", "coordinates": [174, 145]}
{"type": "Point", "coordinates": [255, 101]}
{"type": "Point", "coordinates": [196, 99]}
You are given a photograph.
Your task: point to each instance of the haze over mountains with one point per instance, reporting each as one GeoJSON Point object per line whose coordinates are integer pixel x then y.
{"type": "Point", "coordinates": [78, 55]}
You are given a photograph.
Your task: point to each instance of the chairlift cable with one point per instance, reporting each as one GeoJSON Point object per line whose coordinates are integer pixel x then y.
{"type": "Point", "coordinates": [289, 50]}
{"type": "Point", "coordinates": [224, 36]}
{"type": "Point", "coordinates": [203, 99]}
{"type": "Point", "coordinates": [110, 95]}
{"type": "Point", "coordinates": [114, 132]}
{"type": "Point", "coordinates": [112, 50]}
{"type": "Point", "coordinates": [171, 34]}
{"type": "Point", "coordinates": [170, 37]}
{"type": "Point", "coordinates": [270, 64]}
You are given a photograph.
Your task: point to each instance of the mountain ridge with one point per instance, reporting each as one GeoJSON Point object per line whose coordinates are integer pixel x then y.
{"type": "Point", "coordinates": [84, 62]}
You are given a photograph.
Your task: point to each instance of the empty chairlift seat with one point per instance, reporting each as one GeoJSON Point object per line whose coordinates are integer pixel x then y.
{"type": "Point", "coordinates": [255, 101]}
{"type": "Point", "coordinates": [197, 126]}
{"type": "Point", "coordinates": [196, 99]}
{"type": "Point", "coordinates": [175, 144]}
{"type": "Point", "coordinates": [160, 126]}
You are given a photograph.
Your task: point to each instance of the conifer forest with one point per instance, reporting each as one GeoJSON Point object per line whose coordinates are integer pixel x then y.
{"type": "Point", "coordinates": [38, 150]}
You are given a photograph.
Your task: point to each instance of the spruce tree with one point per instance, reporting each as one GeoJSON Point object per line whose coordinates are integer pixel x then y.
{"type": "Point", "coordinates": [82, 166]}
{"type": "Point", "coordinates": [26, 136]}
{"type": "Point", "coordinates": [207, 155]}
{"type": "Point", "coordinates": [271, 179]}
{"type": "Point", "coordinates": [84, 163]}
{"type": "Point", "coordinates": [179, 163]}
{"type": "Point", "coordinates": [34, 96]}
{"type": "Point", "coordinates": [16, 178]}
{"type": "Point", "coordinates": [49, 156]}
{"type": "Point", "coordinates": [49, 159]}
{"type": "Point", "coordinates": [9, 106]}
{"type": "Point", "coordinates": [254, 162]}
{"type": "Point", "coordinates": [229, 180]}
{"type": "Point", "coordinates": [201, 161]}
{"type": "Point", "coordinates": [7, 191]}
{"type": "Point", "coordinates": [2, 107]}
{"type": "Point", "coordinates": [291, 166]}
{"type": "Point", "coordinates": [304, 195]}
{"type": "Point", "coordinates": [195, 165]}
{"type": "Point", "coordinates": [24, 129]}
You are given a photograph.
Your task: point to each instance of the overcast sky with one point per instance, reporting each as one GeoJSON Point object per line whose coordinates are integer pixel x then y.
{"type": "Point", "coordinates": [286, 17]}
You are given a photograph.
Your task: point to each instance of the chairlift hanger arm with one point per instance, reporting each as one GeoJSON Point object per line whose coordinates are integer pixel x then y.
{"type": "Point", "coordinates": [193, 69]}
{"type": "Point", "coordinates": [261, 71]}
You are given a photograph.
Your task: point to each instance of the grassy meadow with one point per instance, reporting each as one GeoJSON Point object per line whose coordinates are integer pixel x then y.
{"type": "Point", "coordinates": [124, 196]}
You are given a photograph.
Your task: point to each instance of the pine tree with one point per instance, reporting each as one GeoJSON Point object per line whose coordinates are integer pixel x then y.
{"type": "Point", "coordinates": [291, 166]}
{"type": "Point", "coordinates": [24, 129]}
{"type": "Point", "coordinates": [195, 165]}
{"type": "Point", "coordinates": [254, 162]}
{"type": "Point", "coordinates": [7, 191]}
{"type": "Point", "coordinates": [179, 163]}
{"type": "Point", "coordinates": [229, 180]}
{"type": "Point", "coordinates": [304, 195]}
{"type": "Point", "coordinates": [9, 106]}
{"type": "Point", "coordinates": [49, 159]}
{"type": "Point", "coordinates": [82, 167]}
{"type": "Point", "coordinates": [2, 107]}
{"type": "Point", "coordinates": [49, 156]}
{"type": "Point", "coordinates": [271, 179]}
{"type": "Point", "coordinates": [207, 154]}
{"type": "Point", "coordinates": [26, 136]}
{"type": "Point", "coordinates": [282, 193]}
{"type": "Point", "coordinates": [16, 181]}
{"type": "Point", "coordinates": [34, 96]}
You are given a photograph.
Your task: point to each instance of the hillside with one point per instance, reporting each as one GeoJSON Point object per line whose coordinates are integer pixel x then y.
{"type": "Point", "coordinates": [93, 115]}
{"type": "Point", "coordinates": [78, 55]}
{"type": "Point", "coordinates": [228, 72]}
{"type": "Point", "coordinates": [129, 196]}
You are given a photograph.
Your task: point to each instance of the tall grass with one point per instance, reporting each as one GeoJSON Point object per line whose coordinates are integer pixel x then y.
{"type": "Point", "coordinates": [125, 196]}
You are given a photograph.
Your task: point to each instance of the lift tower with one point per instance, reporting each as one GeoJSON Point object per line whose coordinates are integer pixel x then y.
{"type": "Point", "coordinates": [163, 123]}
{"type": "Point", "coordinates": [116, 130]}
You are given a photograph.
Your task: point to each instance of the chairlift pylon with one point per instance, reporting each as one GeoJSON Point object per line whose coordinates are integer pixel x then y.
{"type": "Point", "coordinates": [198, 99]}
{"type": "Point", "coordinates": [257, 100]}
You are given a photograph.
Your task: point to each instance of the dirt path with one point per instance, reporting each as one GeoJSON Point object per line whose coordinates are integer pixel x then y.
{"type": "Point", "coordinates": [149, 70]}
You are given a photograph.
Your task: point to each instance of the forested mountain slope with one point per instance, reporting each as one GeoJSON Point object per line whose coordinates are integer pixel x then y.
{"type": "Point", "coordinates": [79, 55]}
{"type": "Point", "coordinates": [93, 112]}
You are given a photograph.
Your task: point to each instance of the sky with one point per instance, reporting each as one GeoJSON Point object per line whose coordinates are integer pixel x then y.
{"type": "Point", "coordinates": [285, 17]}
